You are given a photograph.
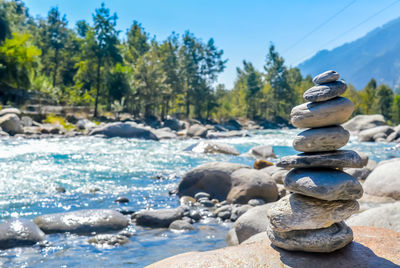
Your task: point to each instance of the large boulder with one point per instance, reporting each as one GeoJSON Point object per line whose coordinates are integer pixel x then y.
{"type": "Point", "coordinates": [197, 130]}
{"type": "Point", "coordinates": [84, 221]}
{"type": "Point", "coordinates": [208, 147]}
{"type": "Point", "coordinates": [384, 216]}
{"type": "Point", "coordinates": [11, 124]}
{"type": "Point", "coordinates": [384, 180]}
{"type": "Point", "coordinates": [164, 134]}
{"type": "Point", "coordinates": [361, 122]}
{"type": "Point", "coordinates": [19, 232]}
{"type": "Point", "coordinates": [161, 218]}
{"type": "Point", "coordinates": [124, 130]}
{"type": "Point", "coordinates": [173, 124]}
{"type": "Point", "coordinates": [213, 178]}
{"type": "Point", "coordinates": [372, 247]}
{"type": "Point", "coordinates": [252, 222]}
{"type": "Point", "coordinates": [371, 133]}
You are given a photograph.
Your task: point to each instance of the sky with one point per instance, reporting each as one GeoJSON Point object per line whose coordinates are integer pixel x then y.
{"type": "Point", "coordinates": [244, 29]}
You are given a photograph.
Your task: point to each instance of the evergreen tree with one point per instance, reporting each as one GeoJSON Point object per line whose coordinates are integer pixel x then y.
{"type": "Point", "coordinates": [385, 100]}
{"type": "Point", "coordinates": [368, 96]}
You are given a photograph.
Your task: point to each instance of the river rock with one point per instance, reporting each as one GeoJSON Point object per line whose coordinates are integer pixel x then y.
{"type": "Point", "coordinates": [109, 239]}
{"type": "Point", "coordinates": [19, 232]}
{"type": "Point", "coordinates": [371, 133]}
{"type": "Point", "coordinates": [372, 247]}
{"type": "Point", "coordinates": [181, 225]}
{"type": "Point", "coordinates": [85, 124]}
{"type": "Point", "coordinates": [124, 130]}
{"type": "Point", "coordinates": [384, 180]}
{"type": "Point", "coordinates": [160, 218]}
{"type": "Point", "coordinates": [321, 139]}
{"type": "Point", "coordinates": [384, 216]}
{"type": "Point", "coordinates": [249, 184]}
{"type": "Point", "coordinates": [323, 183]}
{"type": "Point", "coordinates": [358, 173]}
{"type": "Point", "coordinates": [84, 221]}
{"type": "Point", "coordinates": [327, 239]}
{"type": "Point", "coordinates": [321, 114]}
{"type": "Point", "coordinates": [262, 152]}
{"type": "Point", "coordinates": [298, 212]}
{"type": "Point", "coordinates": [231, 238]}
{"type": "Point", "coordinates": [208, 147]}
{"type": "Point", "coordinates": [10, 111]}
{"type": "Point", "coordinates": [164, 134]}
{"type": "Point", "coordinates": [197, 131]}
{"type": "Point", "coordinates": [11, 124]}
{"type": "Point", "coordinates": [325, 92]}
{"type": "Point", "coordinates": [326, 77]}
{"type": "Point", "coordinates": [335, 159]}
{"type": "Point", "coordinates": [212, 178]}
{"type": "Point", "coordinates": [361, 122]}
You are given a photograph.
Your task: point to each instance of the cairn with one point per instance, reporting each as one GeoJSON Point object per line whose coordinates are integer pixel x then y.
{"type": "Point", "coordinates": [311, 218]}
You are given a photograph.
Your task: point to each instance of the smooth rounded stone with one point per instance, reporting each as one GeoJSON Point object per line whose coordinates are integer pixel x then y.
{"type": "Point", "coordinates": [231, 238]}
{"type": "Point", "coordinates": [205, 202]}
{"type": "Point", "coordinates": [223, 208]}
{"type": "Point", "coordinates": [362, 122]}
{"type": "Point", "coordinates": [84, 221]}
{"type": "Point", "coordinates": [321, 114]}
{"type": "Point", "coordinates": [325, 92]}
{"type": "Point", "coordinates": [197, 130]}
{"type": "Point", "coordinates": [201, 195]}
{"type": "Point", "coordinates": [262, 152]}
{"type": "Point", "coordinates": [256, 202]}
{"type": "Point", "coordinates": [160, 218]}
{"type": "Point", "coordinates": [60, 189]}
{"type": "Point", "coordinates": [224, 215]}
{"type": "Point", "coordinates": [239, 211]}
{"type": "Point", "coordinates": [326, 77]}
{"type": "Point", "coordinates": [11, 124]}
{"type": "Point", "coordinates": [372, 247]}
{"type": "Point", "coordinates": [299, 212]}
{"type": "Point", "coordinates": [19, 232]}
{"type": "Point", "coordinates": [358, 173]}
{"type": "Point", "coordinates": [121, 199]}
{"type": "Point", "coordinates": [195, 215]}
{"type": "Point", "coordinates": [109, 240]}
{"type": "Point", "coordinates": [335, 159]}
{"type": "Point", "coordinates": [181, 225]}
{"type": "Point", "coordinates": [321, 139]}
{"type": "Point", "coordinates": [208, 147]}
{"type": "Point", "coordinates": [279, 176]}
{"type": "Point", "coordinates": [336, 236]}
{"type": "Point", "coordinates": [123, 130]}
{"type": "Point", "coordinates": [10, 111]}
{"type": "Point", "coordinates": [323, 183]}
{"type": "Point", "coordinates": [374, 133]}
{"type": "Point", "coordinates": [187, 200]}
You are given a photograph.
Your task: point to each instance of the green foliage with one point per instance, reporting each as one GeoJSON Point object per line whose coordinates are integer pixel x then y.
{"type": "Point", "coordinates": [54, 119]}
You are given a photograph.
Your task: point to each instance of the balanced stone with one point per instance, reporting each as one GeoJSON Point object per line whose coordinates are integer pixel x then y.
{"type": "Point", "coordinates": [326, 77]}
{"type": "Point", "coordinates": [299, 212]}
{"type": "Point", "coordinates": [328, 239]}
{"type": "Point", "coordinates": [321, 139]}
{"type": "Point", "coordinates": [325, 92]}
{"type": "Point", "coordinates": [323, 183]}
{"type": "Point", "coordinates": [335, 159]}
{"type": "Point", "coordinates": [321, 114]}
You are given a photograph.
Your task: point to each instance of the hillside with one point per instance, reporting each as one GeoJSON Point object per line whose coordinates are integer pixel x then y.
{"type": "Point", "coordinates": [376, 55]}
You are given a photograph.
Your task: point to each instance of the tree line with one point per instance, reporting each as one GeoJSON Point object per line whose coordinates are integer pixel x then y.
{"type": "Point", "coordinates": [94, 64]}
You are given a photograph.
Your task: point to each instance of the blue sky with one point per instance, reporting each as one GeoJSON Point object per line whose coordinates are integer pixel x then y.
{"type": "Point", "coordinates": [243, 29]}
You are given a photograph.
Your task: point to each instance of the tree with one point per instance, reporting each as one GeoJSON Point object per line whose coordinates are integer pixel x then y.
{"type": "Point", "coordinates": [396, 109]}
{"type": "Point", "coordinates": [368, 96]}
{"type": "Point", "coordinates": [385, 100]}
{"type": "Point", "coordinates": [137, 43]}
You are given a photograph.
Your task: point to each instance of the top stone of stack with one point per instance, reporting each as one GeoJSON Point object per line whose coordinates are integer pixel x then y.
{"type": "Point", "coordinates": [327, 87]}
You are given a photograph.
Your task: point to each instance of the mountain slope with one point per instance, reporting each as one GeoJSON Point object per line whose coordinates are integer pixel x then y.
{"type": "Point", "coordinates": [376, 55]}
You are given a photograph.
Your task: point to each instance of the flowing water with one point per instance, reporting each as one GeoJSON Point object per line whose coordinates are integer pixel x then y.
{"type": "Point", "coordinates": [95, 171]}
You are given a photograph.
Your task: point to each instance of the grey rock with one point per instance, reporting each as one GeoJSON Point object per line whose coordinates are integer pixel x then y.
{"type": "Point", "coordinates": [369, 134]}
{"type": "Point", "coordinates": [223, 208]}
{"type": "Point", "coordinates": [361, 122]}
{"type": "Point", "coordinates": [85, 124]}
{"type": "Point", "coordinates": [195, 215]}
{"type": "Point", "coordinates": [224, 215]}
{"type": "Point", "coordinates": [212, 148]}
{"type": "Point", "coordinates": [384, 180]}
{"type": "Point", "coordinates": [323, 183]}
{"type": "Point", "coordinates": [321, 114]}
{"type": "Point", "coordinates": [358, 173]}
{"type": "Point", "coordinates": [10, 111]}
{"type": "Point", "coordinates": [262, 152]}
{"type": "Point", "coordinates": [19, 232]}
{"type": "Point", "coordinates": [201, 195]}
{"type": "Point", "coordinates": [326, 77]}
{"type": "Point", "coordinates": [205, 202]}
{"type": "Point", "coordinates": [279, 176]}
{"type": "Point", "coordinates": [231, 238]}
{"type": "Point", "coordinates": [181, 225]}
{"type": "Point", "coordinates": [256, 202]}
{"type": "Point", "coordinates": [239, 211]}
{"type": "Point", "coordinates": [109, 239]}
{"type": "Point", "coordinates": [254, 221]}
{"type": "Point", "coordinates": [227, 134]}
{"type": "Point", "coordinates": [11, 124]}
{"type": "Point", "coordinates": [321, 139]}
{"type": "Point", "coordinates": [384, 216]}
{"type": "Point", "coordinates": [327, 239]}
{"type": "Point", "coordinates": [325, 92]}
{"type": "Point", "coordinates": [271, 170]}
{"type": "Point", "coordinates": [163, 134]}
{"type": "Point", "coordinates": [336, 159]}
{"type": "Point", "coordinates": [173, 124]}
{"type": "Point", "coordinates": [124, 130]}
{"type": "Point", "coordinates": [160, 218]}
{"type": "Point", "coordinates": [121, 199]}
{"type": "Point", "coordinates": [197, 131]}
{"type": "Point", "coordinates": [299, 212]}
{"type": "Point", "coordinates": [60, 189]}
{"type": "Point", "coordinates": [26, 121]}
{"type": "Point", "coordinates": [187, 200]}
{"type": "Point", "coordinates": [84, 221]}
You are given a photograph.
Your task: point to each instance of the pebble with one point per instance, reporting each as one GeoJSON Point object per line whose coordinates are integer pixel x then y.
{"type": "Point", "coordinates": [121, 199]}
{"type": "Point", "coordinates": [200, 195]}
{"type": "Point", "coordinates": [326, 77]}
{"type": "Point", "coordinates": [325, 92]}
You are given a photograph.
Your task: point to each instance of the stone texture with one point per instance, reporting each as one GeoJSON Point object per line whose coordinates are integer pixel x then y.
{"type": "Point", "coordinates": [109, 240]}
{"type": "Point", "coordinates": [323, 183]}
{"type": "Point", "coordinates": [262, 152]}
{"type": "Point", "coordinates": [384, 180]}
{"type": "Point", "coordinates": [161, 218]}
{"type": "Point", "coordinates": [327, 239]}
{"type": "Point", "coordinates": [298, 212]}
{"type": "Point", "coordinates": [321, 139]}
{"type": "Point", "coordinates": [84, 221]}
{"type": "Point", "coordinates": [326, 77]}
{"type": "Point", "coordinates": [231, 238]}
{"type": "Point", "coordinates": [372, 247]}
{"type": "Point", "coordinates": [124, 130]}
{"type": "Point", "coordinates": [372, 134]}
{"type": "Point", "coordinates": [384, 216]}
{"type": "Point", "coordinates": [358, 173]}
{"type": "Point", "coordinates": [334, 159]}
{"type": "Point", "coordinates": [361, 122]}
{"type": "Point", "coordinates": [11, 124]}
{"type": "Point", "coordinates": [19, 232]}
{"type": "Point", "coordinates": [181, 225]}
{"type": "Point", "coordinates": [197, 131]}
{"type": "Point", "coordinates": [321, 114]}
{"type": "Point", "coordinates": [325, 92]}
{"type": "Point", "coordinates": [208, 147]}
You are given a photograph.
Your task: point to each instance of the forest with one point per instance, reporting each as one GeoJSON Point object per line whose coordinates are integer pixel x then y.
{"type": "Point", "coordinates": [93, 64]}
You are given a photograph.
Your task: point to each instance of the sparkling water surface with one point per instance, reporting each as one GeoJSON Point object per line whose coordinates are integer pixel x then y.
{"type": "Point", "coordinates": [95, 171]}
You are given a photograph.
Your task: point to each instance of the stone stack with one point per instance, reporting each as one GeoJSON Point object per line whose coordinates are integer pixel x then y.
{"type": "Point", "coordinates": [322, 195]}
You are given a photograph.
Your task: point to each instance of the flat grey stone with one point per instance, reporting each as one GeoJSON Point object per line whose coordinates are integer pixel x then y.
{"type": "Point", "coordinates": [326, 77]}
{"type": "Point", "coordinates": [19, 232]}
{"type": "Point", "coordinates": [325, 92]}
{"type": "Point", "coordinates": [161, 218]}
{"type": "Point", "coordinates": [321, 114]}
{"type": "Point", "coordinates": [321, 139]}
{"type": "Point", "coordinates": [323, 183]}
{"type": "Point", "coordinates": [333, 159]}
{"type": "Point", "coordinates": [299, 212]}
{"type": "Point", "coordinates": [109, 239]}
{"type": "Point", "coordinates": [328, 239]}
{"type": "Point", "coordinates": [181, 225]}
